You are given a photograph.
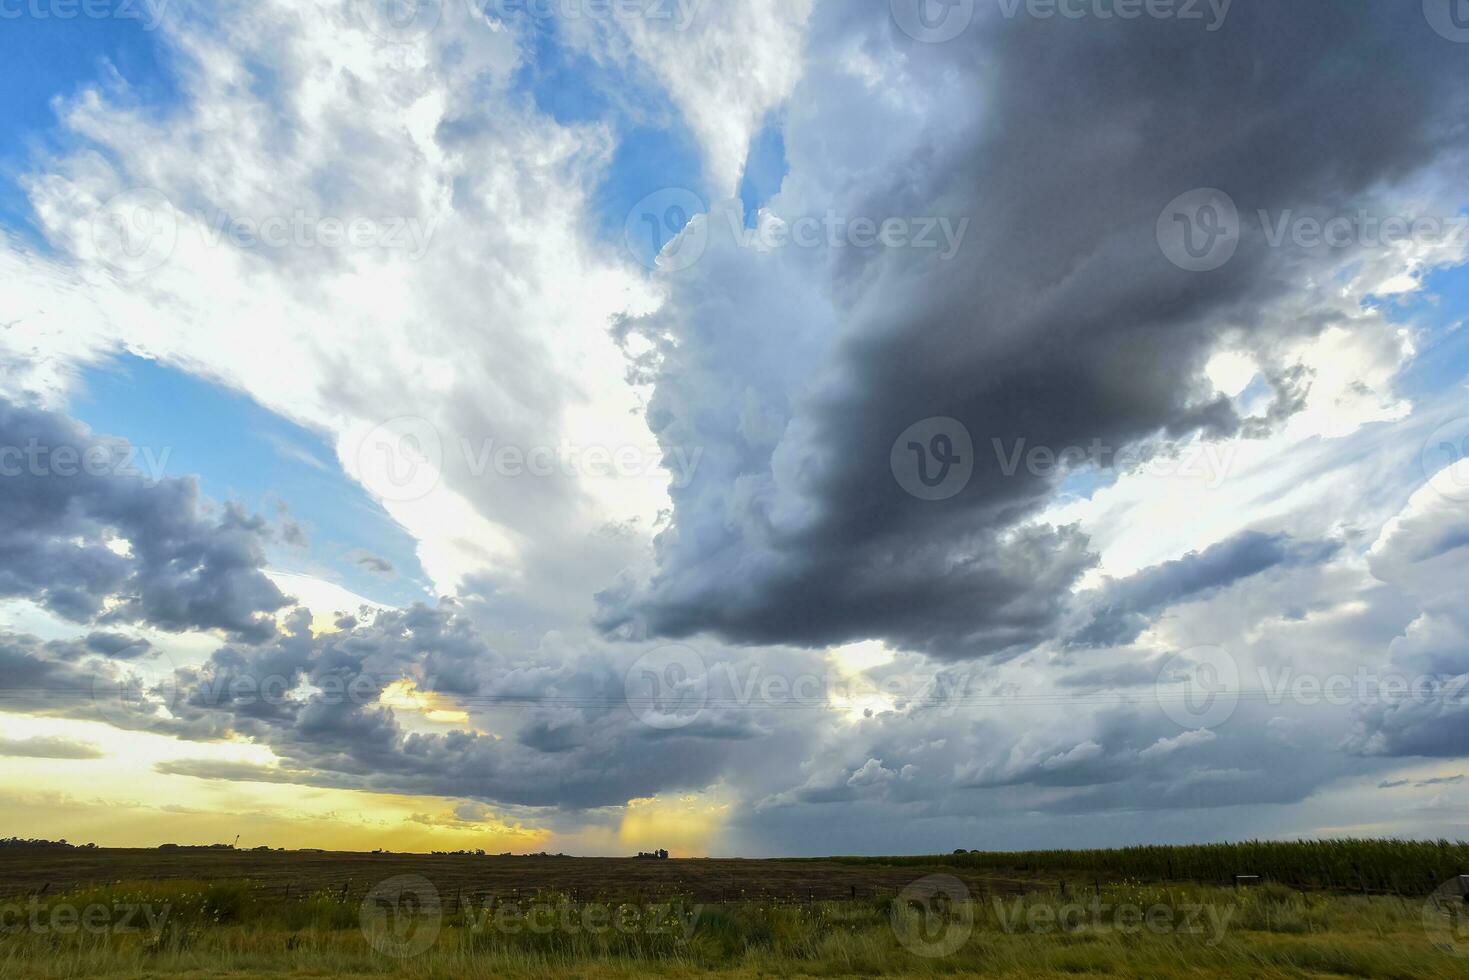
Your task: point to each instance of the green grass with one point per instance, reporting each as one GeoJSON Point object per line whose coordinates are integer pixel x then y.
{"type": "Point", "coordinates": [228, 929]}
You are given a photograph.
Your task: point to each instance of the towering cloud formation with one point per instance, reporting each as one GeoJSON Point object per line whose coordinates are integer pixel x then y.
{"type": "Point", "coordinates": [1059, 322]}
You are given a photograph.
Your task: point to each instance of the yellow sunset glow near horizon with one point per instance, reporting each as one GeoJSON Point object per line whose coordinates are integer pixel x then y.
{"type": "Point", "coordinates": [128, 797]}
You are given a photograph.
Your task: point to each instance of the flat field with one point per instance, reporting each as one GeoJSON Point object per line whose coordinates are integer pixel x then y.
{"type": "Point", "coordinates": [295, 873]}
{"type": "Point", "coordinates": [222, 913]}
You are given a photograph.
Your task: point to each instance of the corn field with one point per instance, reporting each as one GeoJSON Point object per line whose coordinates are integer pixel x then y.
{"type": "Point", "coordinates": [1346, 865]}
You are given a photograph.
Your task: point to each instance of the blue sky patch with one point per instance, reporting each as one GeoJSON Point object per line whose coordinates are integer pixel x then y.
{"type": "Point", "coordinates": [765, 168]}
{"type": "Point", "coordinates": [564, 84]}
{"type": "Point", "coordinates": [1437, 310]}
{"type": "Point", "coordinates": [240, 451]}
{"type": "Point", "coordinates": [50, 56]}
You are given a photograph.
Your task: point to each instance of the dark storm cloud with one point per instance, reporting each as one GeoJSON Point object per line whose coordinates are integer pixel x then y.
{"type": "Point", "coordinates": [67, 497]}
{"type": "Point", "coordinates": [548, 732]}
{"type": "Point", "coordinates": [987, 767]}
{"type": "Point", "coordinates": [1126, 605]}
{"type": "Point", "coordinates": [1128, 757]}
{"type": "Point", "coordinates": [1431, 727]}
{"type": "Point", "coordinates": [76, 679]}
{"type": "Point", "coordinates": [117, 646]}
{"type": "Point", "coordinates": [29, 666]}
{"type": "Point", "coordinates": [1059, 321]}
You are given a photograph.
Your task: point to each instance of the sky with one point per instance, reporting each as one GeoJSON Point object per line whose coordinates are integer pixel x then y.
{"type": "Point", "coordinates": [784, 427]}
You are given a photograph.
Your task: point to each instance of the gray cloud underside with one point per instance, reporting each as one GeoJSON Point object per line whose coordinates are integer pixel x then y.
{"type": "Point", "coordinates": [63, 505]}
{"type": "Point", "coordinates": [48, 748]}
{"type": "Point", "coordinates": [1125, 607]}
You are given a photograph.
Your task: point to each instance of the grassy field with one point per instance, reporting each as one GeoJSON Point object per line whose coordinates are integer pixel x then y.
{"type": "Point", "coordinates": [964, 915]}
{"type": "Point", "coordinates": [293, 873]}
